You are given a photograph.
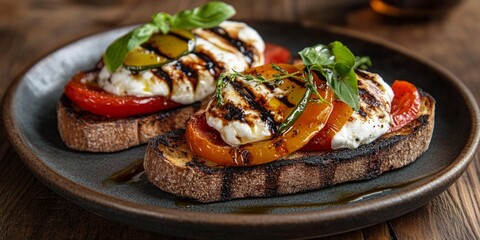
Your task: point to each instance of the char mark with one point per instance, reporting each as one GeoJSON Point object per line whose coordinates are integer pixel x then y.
{"type": "Point", "coordinates": [362, 113]}
{"type": "Point", "coordinates": [183, 38]}
{"type": "Point", "coordinates": [283, 99]}
{"type": "Point", "coordinates": [249, 97]}
{"type": "Point", "coordinates": [241, 46]}
{"type": "Point", "coordinates": [226, 186]}
{"type": "Point", "coordinates": [234, 113]}
{"type": "Point", "coordinates": [152, 48]}
{"type": "Point", "coordinates": [368, 98]}
{"type": "Point", "coordinates": [297, 82]}
{"type": "Point", "coordinates": [363, 74]}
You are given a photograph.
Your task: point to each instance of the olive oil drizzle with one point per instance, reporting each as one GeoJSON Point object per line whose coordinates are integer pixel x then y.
{"type": "Point", "coordinates": [129, 173]}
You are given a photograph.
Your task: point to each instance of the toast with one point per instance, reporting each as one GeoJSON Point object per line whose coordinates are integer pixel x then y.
{"type": "Point", "coordinates": [84, 131]}
{"type": "Point", "coordinates": [171, 166]}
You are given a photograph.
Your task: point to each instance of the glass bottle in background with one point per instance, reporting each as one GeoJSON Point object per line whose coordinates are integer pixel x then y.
{"type": "Point", "coordinates": [413, 8]}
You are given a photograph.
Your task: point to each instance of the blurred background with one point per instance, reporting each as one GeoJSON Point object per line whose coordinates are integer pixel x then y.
{"type": "Point", "coordinates": [52, 23]}
{"type": "Point", "coordinates": [445, 31]}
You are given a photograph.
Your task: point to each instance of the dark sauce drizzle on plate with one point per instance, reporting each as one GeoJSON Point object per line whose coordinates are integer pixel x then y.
{"type": "Point", "coordinates": [130, 173]}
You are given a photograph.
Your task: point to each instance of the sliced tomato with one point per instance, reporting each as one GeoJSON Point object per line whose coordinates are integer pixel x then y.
{"type": "Point", "coordinates": [405, 105]}
{"type": "Point", "coordinates": [205, 144]}
{"type": "Point", "coordinates": [95, 100]}
{"type": "Point", "coordinates": [323, 140]}
{"type": "Point", "coordinates": [276, 54]}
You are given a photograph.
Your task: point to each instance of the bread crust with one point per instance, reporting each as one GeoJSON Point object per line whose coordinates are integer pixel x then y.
{"type": "Point", "coordinates": [171, 166]}
{"type": "Point", "coordinates": [84, 131]}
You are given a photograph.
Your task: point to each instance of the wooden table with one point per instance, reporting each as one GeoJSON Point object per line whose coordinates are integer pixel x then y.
{"type": "Point", "coordinates": [29, 29]}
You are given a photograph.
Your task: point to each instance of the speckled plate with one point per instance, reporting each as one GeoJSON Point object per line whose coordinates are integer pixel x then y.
{"type": "Point", "coordinates": [30, 119]}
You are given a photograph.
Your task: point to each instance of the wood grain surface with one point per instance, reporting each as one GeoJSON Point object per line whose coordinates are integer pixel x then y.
{"type": "Point", "coordinates": [29, 29]}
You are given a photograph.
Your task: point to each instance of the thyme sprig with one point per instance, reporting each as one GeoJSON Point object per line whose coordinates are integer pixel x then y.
{"type": "Point", "coordinates": [276, 80]}
{"type": "Point", "coordinates": [335, 62]}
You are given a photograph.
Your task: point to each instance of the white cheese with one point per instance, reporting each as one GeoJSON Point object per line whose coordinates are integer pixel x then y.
{"type": "Point", "coordinates": [237, 131]}
{"type": "Point", "coordinates": [360, 130]}
{"type": "Point", "coordinates": [145, 83]}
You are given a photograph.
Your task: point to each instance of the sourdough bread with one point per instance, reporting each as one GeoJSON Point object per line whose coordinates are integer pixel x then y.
{"type": "Point", "coordinates": [84, 131]}
{"type": "Point", "coordinates": [171, 166]}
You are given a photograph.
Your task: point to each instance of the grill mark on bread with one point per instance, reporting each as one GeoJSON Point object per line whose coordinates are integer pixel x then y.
{"type": "Point", "coordinates": [225, 191]}
{"type": "Point", "coordinates": [372, 169]}
{"type": "Point", "coordinates": [327, 172]}
{"type": "Point", "coordinates": [271, 180]}
{"type": "Point", "coordinates": [368, 156]}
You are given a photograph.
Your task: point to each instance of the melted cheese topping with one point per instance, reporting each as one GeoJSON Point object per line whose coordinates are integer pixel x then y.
{"type": "Point", "coordinates": [238, 123]}
{"type": "Point", "coordinates": [373, 119]}
{"type": "Point", "coordinates": [195, 84]}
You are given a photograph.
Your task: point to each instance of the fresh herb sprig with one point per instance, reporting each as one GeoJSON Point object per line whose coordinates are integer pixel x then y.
{"type": "Point", "coordinates": [206, 16]}
{"type": "Point", "coordinates": [335, 62]}
{"type": "Point", "coordinates": [276, 80]}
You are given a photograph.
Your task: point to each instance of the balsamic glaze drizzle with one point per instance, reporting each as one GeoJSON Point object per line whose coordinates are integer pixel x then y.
{"type": "Point", "coordinates": [129, 173]}
{"type": "Point", "coordinates": [241, 46]}
{"type": "Point", "coordinates": [160, 73]}
{"type": "Point", "coordinates": [212, 66]}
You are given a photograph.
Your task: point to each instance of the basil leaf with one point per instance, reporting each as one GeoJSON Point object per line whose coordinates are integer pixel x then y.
{"type": "Point", "coordinates": [162, 21]}
{"type": "Point", "coordinates": [345, 81]}
{"type": "Point", "coordinates": [141, 35]}
{"type": "Point", "coordinates": [336, 63]}
{"type": "Point", "coordinates": [345, 87]}
{"type": "Point", "coordinates": [343, 56]}
{"type": "Point", "coordinates": [317, 55]}
{"type": "Point", "coordinates": [118, 50]}
{"type": "Point", "coordinates": [362, 62]}
{"type": "Point", "coordinates": [206, 16]}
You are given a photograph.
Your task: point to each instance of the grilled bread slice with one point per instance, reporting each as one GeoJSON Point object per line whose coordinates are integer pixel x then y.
{"type": "Point", "coordinates": [84, 131]}
{"type": "Point", "coordinates": [171, 166]}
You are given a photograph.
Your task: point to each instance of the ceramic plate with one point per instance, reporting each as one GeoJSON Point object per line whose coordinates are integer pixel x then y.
{"type": "Point", "coordinates": [30, 116]}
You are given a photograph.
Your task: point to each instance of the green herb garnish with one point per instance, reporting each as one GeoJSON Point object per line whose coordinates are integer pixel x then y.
{"type": "Point", "coordinates": [206, 16]}
{"type": "Point", "coordinates": [226, 78]}
{"type": "Point", "coordinates": [295, 113]}
{"type": "Point", "coordinates": [335, 62]}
